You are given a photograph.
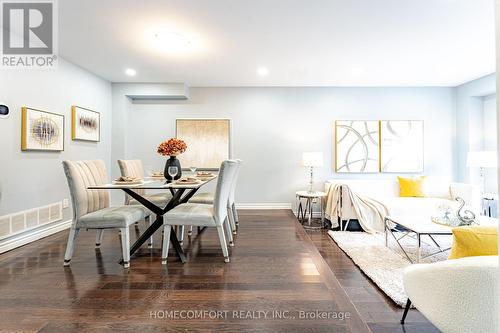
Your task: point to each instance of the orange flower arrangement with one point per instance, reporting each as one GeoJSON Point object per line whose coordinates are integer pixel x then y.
{"type": "Point", "coordinates": [172, 147]}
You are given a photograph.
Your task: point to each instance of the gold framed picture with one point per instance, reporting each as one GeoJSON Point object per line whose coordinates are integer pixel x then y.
{"type": "Point", "coordinates": [208, 142]}
{"type": "Point", "coordinates": [357, 146]}
{"type": "Point", "coordinates": [374, 146]}
{"type": "Point", "coordinates": [41, 130]}
{"type": "Point", "coordinates": [402, 146]}
{"type": "Point", "coordinates": [85, 124]}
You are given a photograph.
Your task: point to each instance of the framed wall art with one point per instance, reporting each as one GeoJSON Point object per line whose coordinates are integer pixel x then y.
{"type": "Point", "coordinates": [208, 142]}
{"type": "Point", "coordinates": [402, 146]}
{"type": "Point", "coordinates": [357, 148]}
{"type": "Point", "coordinates": [41, 130]}
{"type": "Point", "coordinates": [85, 124]}
{"type": "Point", "coordinates": [372, 146]}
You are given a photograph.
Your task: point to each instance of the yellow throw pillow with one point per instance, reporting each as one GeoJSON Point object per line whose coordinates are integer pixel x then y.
{"type": "Point", "coordinates": [471, 241]}
{"type": "Point", "coordinates": [412, 187]}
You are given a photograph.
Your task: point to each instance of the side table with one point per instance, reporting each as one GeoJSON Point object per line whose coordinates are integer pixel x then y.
{"type": "Point", "coordinates": [490, 204]}
{"type": "Point", "coordinates": [305, 201]}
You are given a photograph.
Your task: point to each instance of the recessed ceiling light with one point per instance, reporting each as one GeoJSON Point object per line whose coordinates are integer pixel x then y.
{"type": "Point", "coordinates": [130, 72]}
{"type": "Point", "coordinates": [171, 42]}
{"type": "Point", "coordinates": [262, 71]}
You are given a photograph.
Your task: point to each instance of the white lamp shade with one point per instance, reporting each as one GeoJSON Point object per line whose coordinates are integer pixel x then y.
{"type": "Point", "coordinates": [314, 159]}
{"type": "Point", "coordinates": [482, 159]}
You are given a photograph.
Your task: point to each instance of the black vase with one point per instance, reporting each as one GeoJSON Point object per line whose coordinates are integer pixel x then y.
{"type": "Point", "coordinates": [172, 161]}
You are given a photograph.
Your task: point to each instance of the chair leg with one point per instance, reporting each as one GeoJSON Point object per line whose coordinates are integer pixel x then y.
{"type": "Point", "coordinates": [148, 223]}
{"type": "Point", "coordinates": [181, 234]}
{"type": "Point", "coordinates": [73, 232]}
{"type": "Point", "coordinates": [232, 222]}
{"type": "Point", "coordinates": [125, 235]}
{"type": "Point", "coordinates": [190, 231]}
{"type": "Point", "coordinates": [166, 242]}
{"type": "Point", "coordinates": [223, 244]}
{"type": "Point", "coordinates": [236, 217]}
{"type": "Point", "coordinates": [405, 313]}
{"type": "Point", "coordinates": [227, 225]}
{"type": "Point", "coordinates": [98, 237]}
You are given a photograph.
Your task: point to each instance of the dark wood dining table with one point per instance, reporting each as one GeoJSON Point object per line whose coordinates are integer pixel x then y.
{"type": "Point", "coordinates": [181, 193]}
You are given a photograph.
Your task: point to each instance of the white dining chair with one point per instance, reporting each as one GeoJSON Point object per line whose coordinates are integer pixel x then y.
{"type": "Point", "coordinates": [91, 208]}
{"type": "Point", "coordinates": [203, 215]}
{"type": "Point", "coordinates": [208, 198]}
{"type": "Point", "coordinates": [134, 169]}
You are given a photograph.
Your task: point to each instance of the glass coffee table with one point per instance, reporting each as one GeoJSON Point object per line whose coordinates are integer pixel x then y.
{"type": "Point", "coordinates": [423, 226]}
{"type": "Point", "coordinates": [418, 225]}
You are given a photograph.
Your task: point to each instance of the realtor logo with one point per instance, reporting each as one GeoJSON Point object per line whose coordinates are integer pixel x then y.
{"type": "Point", "coordinates": [28, 34]}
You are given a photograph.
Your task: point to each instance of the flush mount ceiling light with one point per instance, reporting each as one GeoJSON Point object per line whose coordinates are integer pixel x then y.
{"type": "Point", "coordinates": [171, 42]}
{"type": "Point", "coordinates": [262, 71]}
{"type": "Point", "coordinates": [130, 72]}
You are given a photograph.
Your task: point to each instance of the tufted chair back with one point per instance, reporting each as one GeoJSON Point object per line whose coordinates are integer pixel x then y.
{"type": "Point", "coordinates": [132, 168]}
{"type": "Point", "coordinates": [233, 183]}
{"type": "Point", "coordinates": [80, 175]}
{"type": "Point", "coordinates": [223, 189]}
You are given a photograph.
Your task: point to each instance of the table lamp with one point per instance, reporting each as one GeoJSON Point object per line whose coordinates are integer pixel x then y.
{"type": "Point", "coordinates": [312, 160]}
{"type": "Point", "coordinates": [482, 160]}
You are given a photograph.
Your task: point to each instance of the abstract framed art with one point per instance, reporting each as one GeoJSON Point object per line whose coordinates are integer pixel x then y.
{"type": "Point", "coordinates": [402, 146]}
{"type": "Point", "coordinates": [372, 146]}
{"type": "Point", "coordinates": [41, 130]}
{"type": "Point", "coordinates": [208, 142]}
{"type": "Point", "coordinates": [85, 124]}
{"type": "Point", "coordinates": [357, 146]}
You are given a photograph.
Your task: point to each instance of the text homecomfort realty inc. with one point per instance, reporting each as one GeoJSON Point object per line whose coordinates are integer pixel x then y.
{"type": "Point", "coordinates": [248, 315]}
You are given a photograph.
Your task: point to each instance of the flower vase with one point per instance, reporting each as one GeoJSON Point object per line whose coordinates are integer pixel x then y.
{"type": "Point", "coordinates": [172, 161]}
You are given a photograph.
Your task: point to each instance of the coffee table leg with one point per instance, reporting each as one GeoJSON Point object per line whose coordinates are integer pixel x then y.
{"type": "Point", "coordinates": [418, 248]}
{"type": "Point", "coordinates": [389, 231]}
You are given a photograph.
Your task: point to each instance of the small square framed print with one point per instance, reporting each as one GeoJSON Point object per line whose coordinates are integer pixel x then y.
{"type": "Point", "coordinates": [85, 124]}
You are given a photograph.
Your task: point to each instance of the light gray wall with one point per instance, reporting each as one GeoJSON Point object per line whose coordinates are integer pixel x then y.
{"type": "Point", "coordinates": [271, 127]}
{"type": "Point", "coordinates": [490, 139]}
{"type": "Point", "coordinates": [469, 117]}
{"type": "Point", "coordinates": [489, 122]}
{"type": "Point", "coordinates": [33, 179]}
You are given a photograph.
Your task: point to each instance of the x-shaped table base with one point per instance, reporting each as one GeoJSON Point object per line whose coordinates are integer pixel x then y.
{"type": "Point", "coordinates": [176, 200]}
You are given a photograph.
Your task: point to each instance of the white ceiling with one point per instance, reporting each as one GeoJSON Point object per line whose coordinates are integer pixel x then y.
{"type": "Point", "coordinates": [301, 42]}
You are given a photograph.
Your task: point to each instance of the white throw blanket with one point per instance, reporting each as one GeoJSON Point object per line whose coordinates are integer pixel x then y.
{"type": "Point", "coordinates": [370, 212]}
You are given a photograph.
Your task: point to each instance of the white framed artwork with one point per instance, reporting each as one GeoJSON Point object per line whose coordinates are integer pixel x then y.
{"type": "Point", "coordinates": [357, 146]}
{"type": "Point", "coordinates": [402, 146]}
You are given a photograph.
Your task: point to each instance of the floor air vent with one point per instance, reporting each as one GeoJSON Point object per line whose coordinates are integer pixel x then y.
{"type": "Point", "coordinates": [29, 219]}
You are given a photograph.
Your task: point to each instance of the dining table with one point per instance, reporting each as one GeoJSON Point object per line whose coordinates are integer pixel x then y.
{"type": "Point", "coordinates": [181, 193]}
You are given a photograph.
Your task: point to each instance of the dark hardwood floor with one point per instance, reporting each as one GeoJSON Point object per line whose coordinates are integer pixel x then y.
{"type": "Point", "coordinates": [275, 270]}
{"type": "Point", "coordinates": [375, 308]}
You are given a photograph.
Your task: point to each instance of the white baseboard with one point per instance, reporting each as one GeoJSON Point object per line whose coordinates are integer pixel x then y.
{"type": "Point", "coordinates": [263, 206]}
{"type": "Point", "coordinates": [24, 238]}
{"type": "Point", "coordinates": [256, 206]}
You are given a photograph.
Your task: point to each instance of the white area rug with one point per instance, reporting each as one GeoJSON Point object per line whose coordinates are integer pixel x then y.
{"type": "Point", "coordinates": [385, 265]}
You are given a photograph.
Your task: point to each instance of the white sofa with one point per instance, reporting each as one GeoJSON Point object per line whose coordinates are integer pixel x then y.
{"type": "Point", "coordinates": [458, 295]}
{"type": "Point", "coordinates": [386, 191]}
